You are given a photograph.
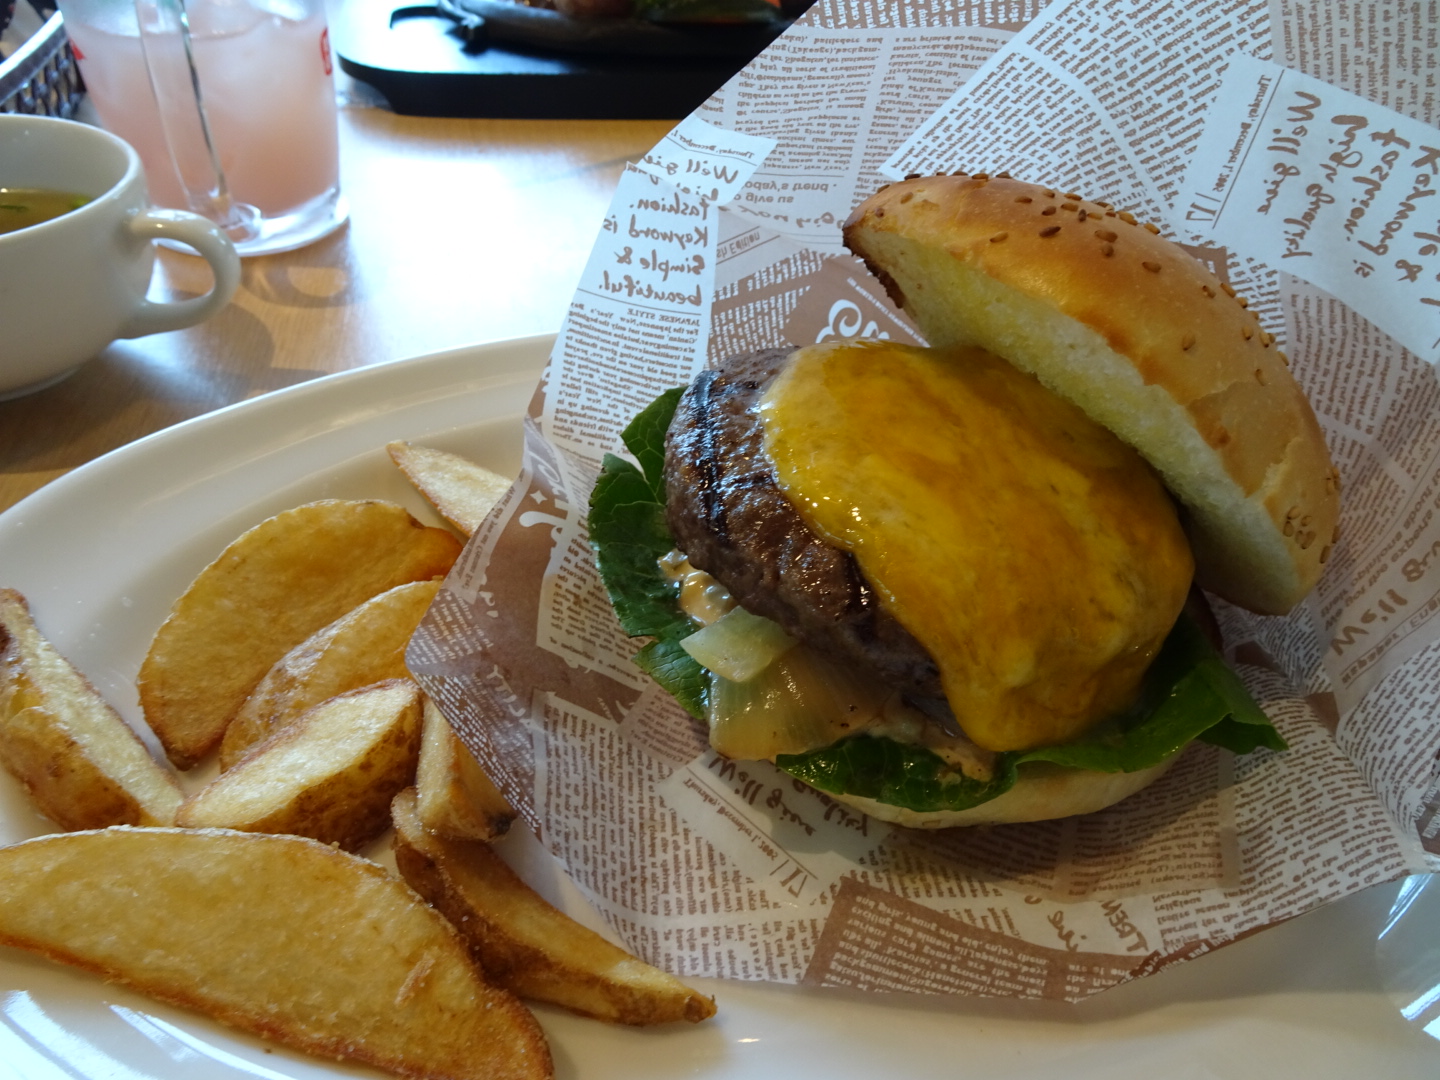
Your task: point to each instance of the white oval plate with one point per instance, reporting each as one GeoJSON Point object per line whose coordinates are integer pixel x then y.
{"type": "Point", "coordinates": [103, 551]}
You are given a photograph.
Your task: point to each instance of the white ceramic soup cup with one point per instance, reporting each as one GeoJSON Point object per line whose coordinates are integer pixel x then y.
{"type": "Point", "coordinates": [71, 285]}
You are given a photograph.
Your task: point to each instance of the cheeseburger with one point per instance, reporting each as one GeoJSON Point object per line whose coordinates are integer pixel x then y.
{"type": "Point", "coordinates": [956, 585]}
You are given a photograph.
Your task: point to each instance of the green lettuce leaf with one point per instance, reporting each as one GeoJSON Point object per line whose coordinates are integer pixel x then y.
{"type": "Point", "coordinates": [1189, 692]}
{"type": "Point", "coordinates": [629, 535]}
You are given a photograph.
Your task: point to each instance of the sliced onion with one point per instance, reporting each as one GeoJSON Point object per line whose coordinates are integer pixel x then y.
{"type": "Point", "coordinates": [800, 702]}
{"type": "Point", "coordinates": [738, 646]}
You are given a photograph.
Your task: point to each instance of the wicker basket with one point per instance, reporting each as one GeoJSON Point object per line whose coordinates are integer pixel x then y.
{"type": "Point", "coordinates": [41, 78]}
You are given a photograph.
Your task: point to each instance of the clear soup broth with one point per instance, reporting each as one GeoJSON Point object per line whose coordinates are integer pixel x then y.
{"type": "Point", "coordinates": [22, 207]}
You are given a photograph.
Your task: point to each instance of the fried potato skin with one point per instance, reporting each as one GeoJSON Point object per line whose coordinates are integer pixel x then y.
{"type": "Point", "coordinates": [77, 759]}
{"type": "Point", "coordinates": [526, 945]}
{"type": "Point", "coordinates": [270, 589]}
{"type": "Point", "coordinates": [365, 645]}
{"type": "Point", "coordinates": [330, 775]}
{"type": "Point", "coordinates": [279, 936]}
{"type": "Point", "coordinates": [462, 492]}
{"type": "Point", "coordinates": [455, 797]}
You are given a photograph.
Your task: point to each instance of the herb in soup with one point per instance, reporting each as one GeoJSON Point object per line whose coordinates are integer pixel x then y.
{"type": "Point", "coordinates": [22, 207]}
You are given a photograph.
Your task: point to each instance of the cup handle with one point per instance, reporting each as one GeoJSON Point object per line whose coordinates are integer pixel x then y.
{"type": "Point", "coordinates": [205, 237]}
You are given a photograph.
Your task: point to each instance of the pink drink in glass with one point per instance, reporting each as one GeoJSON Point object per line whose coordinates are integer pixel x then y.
{"type": "Point", "coordinates": [268, 91]}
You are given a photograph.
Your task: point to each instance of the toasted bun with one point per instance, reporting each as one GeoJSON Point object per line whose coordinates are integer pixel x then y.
{"type": "Point", "coordinates": [1135, 331]}
{"type": "Point", "coordinates": [1042, 792]}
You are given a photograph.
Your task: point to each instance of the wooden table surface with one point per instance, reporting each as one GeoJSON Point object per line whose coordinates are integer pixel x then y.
{"type": "Point", "coordinates": [460, 232]}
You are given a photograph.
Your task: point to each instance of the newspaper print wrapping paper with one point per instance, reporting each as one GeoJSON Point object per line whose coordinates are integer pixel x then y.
{"type": "Point", "coordinates": [726, 237]}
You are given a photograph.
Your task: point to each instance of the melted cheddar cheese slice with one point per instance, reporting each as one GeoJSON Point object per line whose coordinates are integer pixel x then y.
{"type": "Point", "coordinates": [1036, 556]}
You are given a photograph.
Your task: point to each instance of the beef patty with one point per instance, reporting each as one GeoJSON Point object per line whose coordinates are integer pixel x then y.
{"type": "Point", "coordinates": [728, 514]}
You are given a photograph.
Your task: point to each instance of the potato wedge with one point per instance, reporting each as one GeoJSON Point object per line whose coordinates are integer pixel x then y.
{"type": "Point", "coordinates": [77, 759]}
{"type": "Point", "coordinates": [454, 796]}
{"type": "Point", "coordinates": [363, 646]}
{"type": "Point", "coordinates": [526, 945]}
{"type": "Point", "coordinates": [461, 491]}
{"type": "Point", "coordinates": [283, 937]}
{"type": "Point", "coordinates": [267, 592]}
{"type": "Point", "coordinates": [329, 776]}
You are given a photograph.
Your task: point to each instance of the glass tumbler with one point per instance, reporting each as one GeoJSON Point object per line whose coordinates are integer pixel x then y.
{"type": "Point", "coordinates": [230, 104]}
